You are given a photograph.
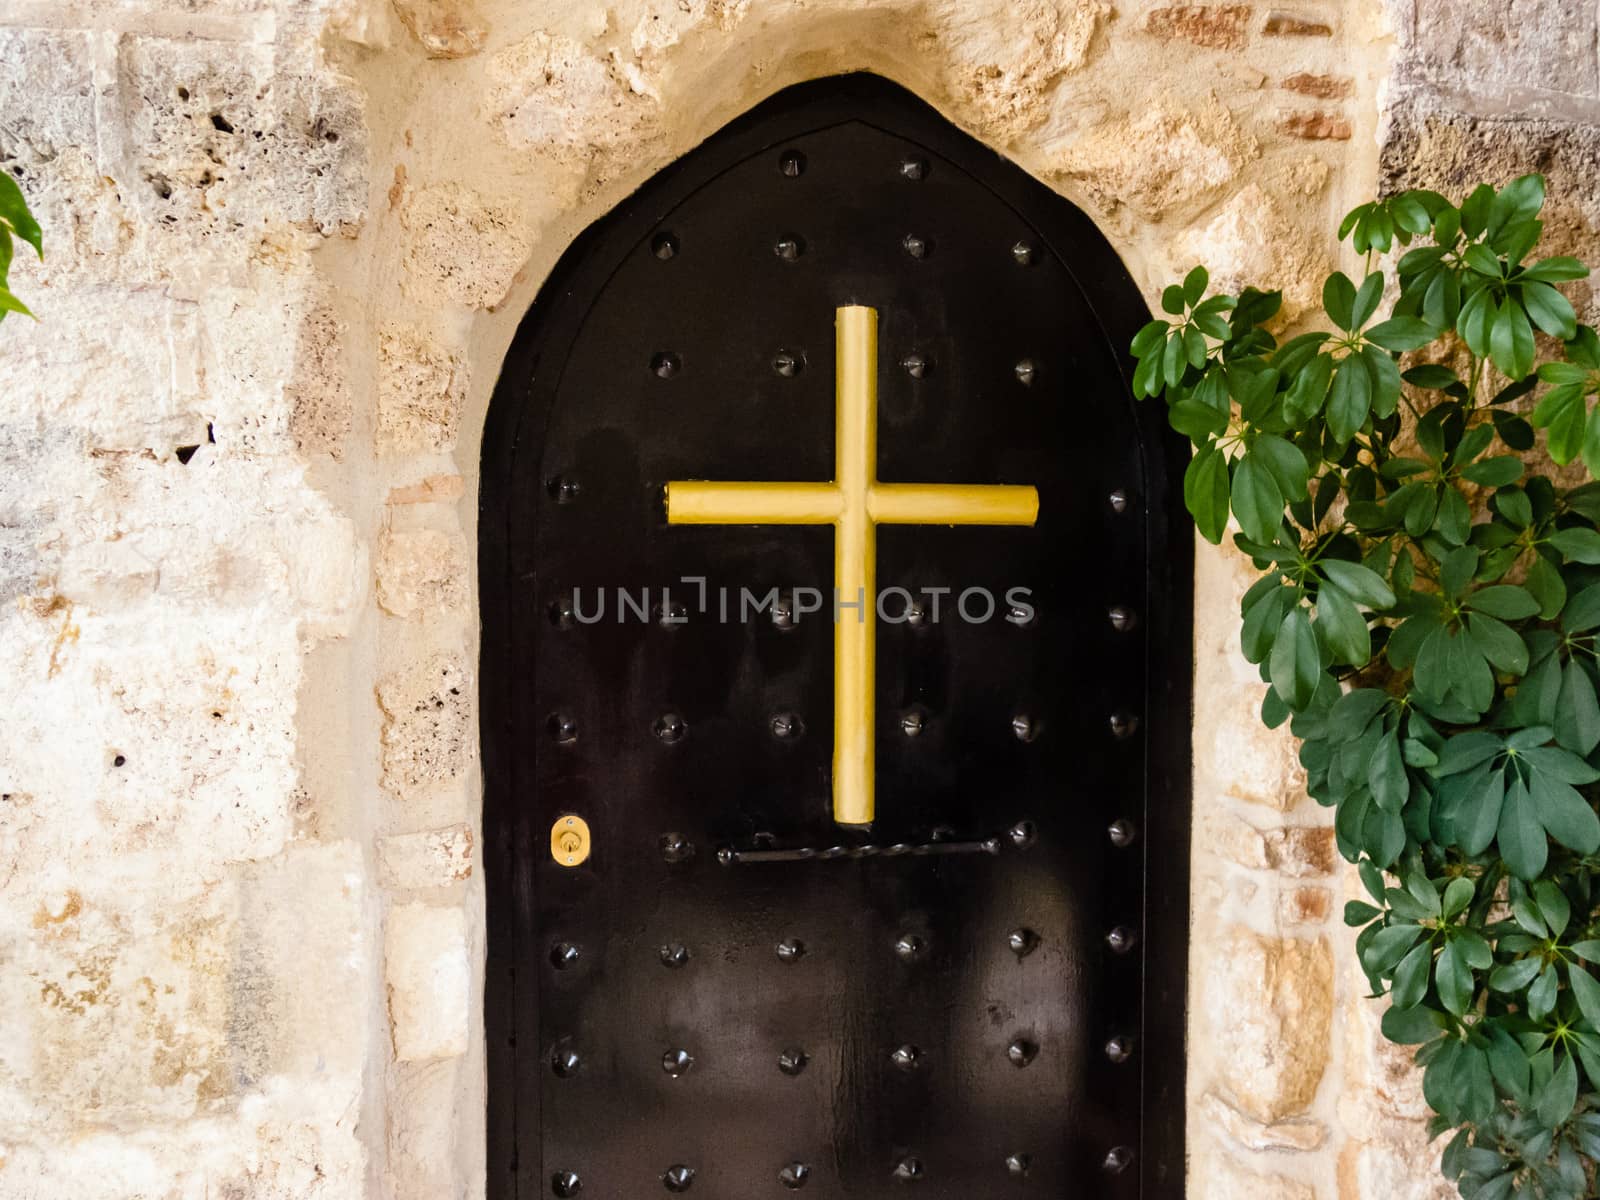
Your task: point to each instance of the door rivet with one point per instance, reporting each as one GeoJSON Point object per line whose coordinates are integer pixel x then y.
{"type": "Point", "coordinates": [1021, 1052]}
{"type": "Point", "coordinates": [1118, 1160]}
{"type": "Point", "coordinates": [677, 1178]}
{"type": "Point", "coordinates": [566, 1184]}
{"type": "Point", "coordinates": [794, 1175]}
{"type": "Point", "coordinates": [1023, 942]}
{"type": "Point", "coordinates": [1119, 1049]}
{"type": "Point", "coordinates": [1122, 833]}
{"type": "Point", "coordinates": [792, 1062]}
{"type": "Point", "coordinates": [1018, 1164]}
{"type": "Point", "coordinates": [1121, 939]}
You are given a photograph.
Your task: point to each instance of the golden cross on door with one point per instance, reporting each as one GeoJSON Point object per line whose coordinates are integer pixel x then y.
{"type": "Point", "coordinates": [855, 503]}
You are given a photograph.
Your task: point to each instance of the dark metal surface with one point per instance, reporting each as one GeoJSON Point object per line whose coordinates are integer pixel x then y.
{"type": "Point", "coordinates": [982, 995]}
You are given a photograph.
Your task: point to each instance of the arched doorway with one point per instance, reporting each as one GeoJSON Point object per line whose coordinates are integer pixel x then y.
{"type": "Point", "coordinates": [762, 960]}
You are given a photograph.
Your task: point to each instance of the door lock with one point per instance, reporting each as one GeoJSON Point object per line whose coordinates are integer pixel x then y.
{"type": "Point", "coordinates": [569, 840]}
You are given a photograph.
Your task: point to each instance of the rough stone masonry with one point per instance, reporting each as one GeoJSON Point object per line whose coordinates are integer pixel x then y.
{"type": "Point", "coordinates": [241, 927]}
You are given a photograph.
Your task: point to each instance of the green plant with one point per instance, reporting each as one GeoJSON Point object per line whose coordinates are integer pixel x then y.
{"type": "Point", "coordinates": [1428, 618]}
{"type": "Point", "coordinates": [15, 222]}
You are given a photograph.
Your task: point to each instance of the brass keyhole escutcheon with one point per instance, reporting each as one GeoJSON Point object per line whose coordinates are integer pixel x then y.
{"type": "Point", "coordinates": [569, 840]}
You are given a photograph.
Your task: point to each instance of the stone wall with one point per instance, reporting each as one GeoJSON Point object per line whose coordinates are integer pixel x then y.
{"type": "Point", "coordinates": [289, 241]}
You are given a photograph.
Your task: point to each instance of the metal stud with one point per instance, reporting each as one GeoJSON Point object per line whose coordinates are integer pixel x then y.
{"type": "Point", "coordinates": [793, 1061]}
{"type": "Point", "coordinates": [664, 245]}
{"type": "Point", "coordinates": [916, 615]}
{"type": "Point", "coordinates": [1124, 724]}
{"type": "Point", "coordinates": [566, 1183]}
{"type": "Point", "coordinates": [1122, 832]}
{"type": "Point", "coordinates": [1021, 1051]}
{"type": "Point", "coordinates": [677, 1178]}
{"type": "Point", "coordinates": [1024, 727]}
{"type": "Point", "coordinates": [564, 955]}
{"type": "Point", "coordinates": [1021, 615]}
{"type": "Point", "coordinates": [676, 848]}
{"type": "Point", "coordinates": [1017, 1164]}
{"type": "Point", "coordinates": [1119, 501]}
{"type": "Point", "coordinates": [1119, 1049]}
{"type": "Point", "coordinates": [788, 363]}
{"type": "Point", "coordinates": [1022, 941]}
{"type": "Point", "coordinates": [914, 365]}
{"type": "Point", "coordinates": [1121, 939]}
{"type": "Point", "coordinates": [905, 1057]}
{"type": "Point", "coordinates": [909, 947]}
{"type": "Point", "coordinates": [786, 725]}
{"type": "Point", "coordinates": [913, 168]}
{"type": "Point", "coordinates": [565, 1062]}
{"type": "Point", "coordinates": [1023, 834]}
{"type": "Point", "coordinates": [912, 724]}
{"type": "Point", "coordinates": [792, 163]}
{"type": "Point", "coordinates": [560, 614]}
{"type": "Point", "coordinates": [916, 247]}
{"type": "Point", "coordinates": [791, 950]}
{"type": "Point", "coordinates": [670, 727]}
{"type": "Point", "coordinates": [563, 728]}
{"type": "Point", "coordinates": [794, 1175]}
{"type": "Point", "coordinates": [665, 364]}
{"type": "Point", "coordinates": [1122, 618]}
{"type": "Point", "coordinates": [563, 489]}
{"type": "Point", "coordinates": [671, 614]}
{"type": "Point", "coordinates": [1023, 253]}
{"type": "Point", "coordinates": [1118, 1160]}
{"type": "Point", "coordinates": [789, 247]}
{"type": "Point", "coordinates": [1025, 372]}
{"type": "Point", "coordinates": [676, 1061]}
{"type": "Point", "coordinates": [783, 611]}
{"type": "Point", "coordinates": [908, 1168]}
{"type": "Point", "coordinates": [673, 955]}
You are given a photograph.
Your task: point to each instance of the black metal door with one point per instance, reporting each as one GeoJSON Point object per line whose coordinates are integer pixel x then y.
{"type": "Point", "coordinates": [982, 994]}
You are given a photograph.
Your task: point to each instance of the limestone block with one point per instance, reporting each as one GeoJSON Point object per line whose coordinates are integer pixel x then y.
{"type": "Point", "coordinates": [428, 736]}
{"type": "Point", "coordinates": [1242, 757]}
{"type": "Point", "coordinates": [421, 572]}
{"type": "Point", "coordinates": [665, 23]}
{"type": "Point", "coordinates": [423, 1125]}
{"type": "Point", "coordinates": [1298, 24]}
{"type": "Point", "coordinates": [461, 246]}
{"type": "Point", "coordinates": [318, 393]}
{"type": "Point", "coordinates": [1323, 87]}
{"type": "Point", "coordinates": [444, 28]}
{"type": "Point", "coordinates": [125, 384]}
{"type": "Point", "coordinates": [1316, 126]}
{"type": "Point", "coordinates": [432, 858]}
{"type": "Point", "coordinates": [1216, 26]}
{"type": "Point", "coordinates": [142, 993]}
{"type": "Point", "coordinates": [421, 384]}
{"type": "Point", "coordinates": [1004, 56]}
{"type": "Point", "coordinates": [1295, 1133]}
{"type": "Point", "coordinates": [1269, 1002]}
{"type": "Point", "coordinates": [1430, 146]}
{"type": "Point", "coordinates": [1305, 906]}
{"type": "Point", "coordinates": [429, 975]}
{"type": "Point", "coordinates": [1223, 1177]}
{"type": "Point", "coordinates": [1254, 240]}
{"type": "Point", "coordinates": [431, 489]}
{"type": "Point", "coordinates": [222, 148]}
{"type": "Point", "coordinates": [1295, 851]}
{"type": "Point", "coordinates": [1403, 1167]}
{"type": "Point", "coordinates": [555, 96]}
{"type": "Point", "coordinates": [1161, 159]}
{"type": "Point", "coordinates": [1515, 44]}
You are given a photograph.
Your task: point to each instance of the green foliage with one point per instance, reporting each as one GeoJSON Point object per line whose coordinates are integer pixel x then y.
{"type": "Point", "coordinates": [15, 222]}
{"type": "Point", "coordinates": [1427, 617]}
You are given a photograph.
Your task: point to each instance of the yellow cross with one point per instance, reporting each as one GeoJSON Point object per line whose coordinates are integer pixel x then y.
{"type": "Point", "coordinates": [855, 503]}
